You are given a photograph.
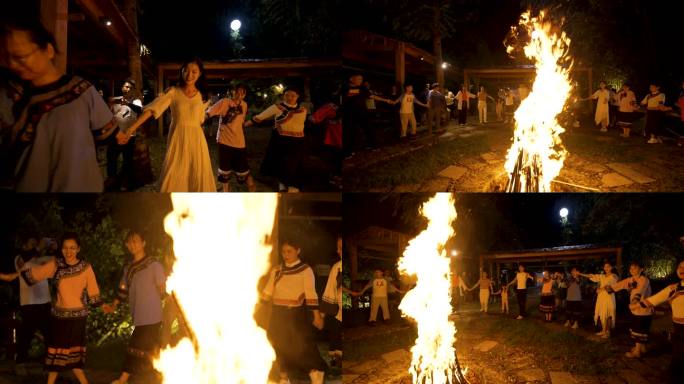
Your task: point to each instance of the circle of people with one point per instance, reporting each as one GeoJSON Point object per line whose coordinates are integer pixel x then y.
{"type": "Point", "coordinates": [557, 290]}
{"type": "Point", "coordinates": [52, 123]}
{"type": "Point", "coordinates": [618, 109]}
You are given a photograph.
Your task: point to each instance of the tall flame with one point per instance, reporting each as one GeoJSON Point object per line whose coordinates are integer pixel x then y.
{"type": "Point", "coordinates": [429, 303]}
{"type": "Point", "coordinates": [219, 241]}
{"type": "Point", "coordinates": [537, 154]}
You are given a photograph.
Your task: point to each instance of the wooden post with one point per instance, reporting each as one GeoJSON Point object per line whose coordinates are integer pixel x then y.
{"type": "Point", "coordinates": [400, 63]}
{"type": "Point", "coordinates": [498, 271]}
{"type": "Point", "coordinates": [353, 255]}
{"type": "Point", "coordinates": [590, 76]}
{"type": "Point", "coordinates": [307, 90]}
{"type": "Point", "coordinates": [466, 80]}
{"type": "Point", "coordinates": [618, 262]}
{"type": "Point", "coordinates": [54, 15]}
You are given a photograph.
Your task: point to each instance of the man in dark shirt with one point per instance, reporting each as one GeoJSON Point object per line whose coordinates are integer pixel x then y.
{"type": "Point", "coordinates": [437, 105]}
{"type": "Point", "coordinates": [355, 115]}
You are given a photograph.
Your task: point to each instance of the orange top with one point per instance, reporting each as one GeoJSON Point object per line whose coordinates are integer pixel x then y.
{"type": "Point", "coordinates": [71, 282]}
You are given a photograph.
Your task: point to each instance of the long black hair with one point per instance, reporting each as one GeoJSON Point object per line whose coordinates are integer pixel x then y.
{"type": "Point", "coordinates": [201, 83]}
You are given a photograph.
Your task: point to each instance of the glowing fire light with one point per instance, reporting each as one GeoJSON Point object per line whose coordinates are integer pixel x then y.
{"type": "Point", "coordinates": [537, 154]}
{"type": "Point", "coordinates": [429, 303]}
{"type": "Point", "coordinates": [219, 242]}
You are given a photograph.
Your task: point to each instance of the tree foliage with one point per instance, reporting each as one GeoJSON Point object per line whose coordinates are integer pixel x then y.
{"type": "Point", "coordinates": [299, 27]}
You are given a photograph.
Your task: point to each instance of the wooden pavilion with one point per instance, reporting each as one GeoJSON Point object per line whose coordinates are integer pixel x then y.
{"type": "Point", "coordinates": [547, 256]}
{"type": "Point", "coordinates": [365, 51]}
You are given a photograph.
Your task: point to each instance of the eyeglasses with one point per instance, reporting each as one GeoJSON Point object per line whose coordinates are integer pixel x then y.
{"type": "Point", "coordinates": [22, 60]}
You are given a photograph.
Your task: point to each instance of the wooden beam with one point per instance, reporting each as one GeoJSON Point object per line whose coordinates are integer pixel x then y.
{"type": "Point", "coordinates": [55, 17]}
{"type": "Point", "coordinates": [400, 63]}
{"type": "Point", "coordinates": [354, 259]}
{"type": "Point", "coordinates": [120, 31]}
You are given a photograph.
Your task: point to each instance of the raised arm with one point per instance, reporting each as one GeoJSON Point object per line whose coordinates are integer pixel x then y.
{"type": "Point", "coordinates": [370, 284]}
{"type": "Point", "coordinates": [657, 299]}
{"type": "Point", "coordinates": [266, 114]}
{"type": "Point", "coordinates": [39, 272]}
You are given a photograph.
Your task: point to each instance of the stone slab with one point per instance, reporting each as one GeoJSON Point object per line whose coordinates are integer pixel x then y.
{"type": "Point", "coordinates": [562, 378]}
{"type": "Point", "coordinates": [349, 378]}
{"type": "Point", "coordinates": [453, 172]}
{"type": "Point", "coordinates": [399, 354]}
{"type": "Point", "coordinates": [598, 168]}
{"type": "Point", "coordinates": [486, 346]}
{"type": "Point", "coordinates": [632, 377]}
{"type": "Point", "coordinates": [490, 157]}
{"type": "Point", "coordinates": [611, 180]}
{"type": "Point", "coordinates": [628, 171]}
{"type": "Point", "coordinates": [528, 375]}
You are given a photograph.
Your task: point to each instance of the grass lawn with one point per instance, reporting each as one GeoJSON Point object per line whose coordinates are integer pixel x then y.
{"type": "Point", "coordinates": [416, 167]}
{"type": "Point", "coordinates": [481, 151]}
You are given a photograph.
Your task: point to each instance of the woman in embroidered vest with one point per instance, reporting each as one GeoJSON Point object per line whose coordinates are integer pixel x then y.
{"type": "Point", "coordinates": [291, 289]}
{"type": "Point", "coordinates": [655, 108]}
{"type": "Point", "coordinates": [187, 165]}
{"type": "Point", "coordinates": [674, 295]}
{"type": "Point", "coordinates": [605, 302]}
{"type": "Point", "coordinates": [66, 341]}
{"type": "Point", "coordinates": [286, 147]}
{"type": "Point", "coordinates": [547, 304]}
{"type": "Point", "coordinates": [639, 287]}
{"type": "Point", "coordinates": [51, 144]}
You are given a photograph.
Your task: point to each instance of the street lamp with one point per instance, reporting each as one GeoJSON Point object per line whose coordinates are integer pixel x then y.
{"type": "Point", "coordinates": [563, 213]}
{"type": "Point", "coordinates": [235, 25]}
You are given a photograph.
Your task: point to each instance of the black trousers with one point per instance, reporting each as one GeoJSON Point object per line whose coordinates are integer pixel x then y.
{"type": "Point", "coordinates": [142, 347]}
{"type": "Point", "coordinates": [353, 125]}
{"type": "Point", "coordinates": [463, 115]}
{"type": "Point", "coordinates": [573, 310]}
{"type": "Point", "coordinates": [521, 295]}
{"type": "Point", "coordinates": [115, 150]}
{"type": "Point", "coordinates": [654, 121]}
{"type": "Point", "coordinates": [335, 329]}
{"type": "Point", "coordinates": [34, 318]}
{"type": "Point", "coordinates": [293, 339]}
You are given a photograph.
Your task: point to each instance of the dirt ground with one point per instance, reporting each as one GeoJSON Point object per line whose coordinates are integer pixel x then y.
{"type": "Point", "coordinates": [496, 348]}
{"type": "Point", "coordinates": [470, 159]}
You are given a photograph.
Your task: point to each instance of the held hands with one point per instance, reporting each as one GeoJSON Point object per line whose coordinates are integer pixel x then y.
{"type": "Point", "coordinates": [122, 138]}
{"type": "Point", "coordinates": [108, 308]}
{"type": "Point", "coordinates": [318, 322]}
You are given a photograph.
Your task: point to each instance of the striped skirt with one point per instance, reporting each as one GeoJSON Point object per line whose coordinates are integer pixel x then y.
{"type": "Point", "coordinates": [548, 303]}
{"type": "Point", "coordinates": [66, 344]}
